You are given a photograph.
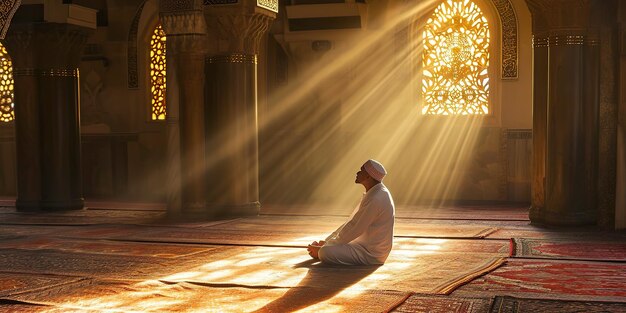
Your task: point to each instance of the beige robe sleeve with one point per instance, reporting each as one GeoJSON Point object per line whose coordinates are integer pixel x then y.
{"type": "Point", "coordinates": [356, 226]}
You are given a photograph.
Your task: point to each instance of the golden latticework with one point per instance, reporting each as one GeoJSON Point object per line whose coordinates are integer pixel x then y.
{"type": "Point", "coordinates": [455, 77]}
{"type": "Point", "coordinates": [6, 87]}
{"type": "Point", "coordinates": [157, 73]}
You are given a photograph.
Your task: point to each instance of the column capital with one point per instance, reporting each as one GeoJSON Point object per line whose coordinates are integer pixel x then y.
{"type": "Point", "coordinates": [186, 31]}
{"type": "Point", "coordinates": [183, 22]}
{"type": "Point", "coordinates": [46, 45]}
{"type": "Point", "coordinates": [238, 33]}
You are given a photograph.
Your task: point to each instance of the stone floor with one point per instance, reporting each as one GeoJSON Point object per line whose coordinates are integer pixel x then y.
{"type": "Point", "coordinates": [122, 257]}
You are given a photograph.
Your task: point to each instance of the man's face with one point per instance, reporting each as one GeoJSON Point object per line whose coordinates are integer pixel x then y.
{"type": "Point", "coordinates": [361, 176]}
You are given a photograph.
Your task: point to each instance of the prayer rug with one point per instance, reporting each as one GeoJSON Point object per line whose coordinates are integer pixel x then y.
{"type": "Point", "coordinates": [415, 270]}
{"type": "Point", "coordinates": [80, 217]}
{"type": "Point", "coordinates": [105, 247]}
{"type": "Point", "coordinates": [520, 305]}
{"type": "Point", "coordinates": [539, 233]}
{"type": "Point", "coordinates": [569, 249]}
{"type": "Point", "coordinates": [101, 231]}
{"type": "Point", "coordinates": [271, 236]}
{"type": "Point", "coordinates": [233, 278]}
{"type": "Point", "coordinates": [442, 230]}
{"type": "Point", "coordinates": [573, 280]}
{"type": "Point", "coordinates": [492, 223]}
{"type": "Point", "coordinates": [403, 227]}
{"type": "Point", "coordinates": [22, 308]}
{"type": "Point", "coordinates": [266, 237]}
{"type": "Point", "coordinates": [83, 264]}
{"type": "Point", "coordinates": [155, 296]}
{"type": "Point", "coordinates": [496, 247]}
{"type": "Point", "coordinates": [14, 284]}
{"type": "Point", "coordinates": [443, 304]}
{"type": "Point", "coordinates": [465, 213]}
{"type": "Point", "coordinates": [28, 230]}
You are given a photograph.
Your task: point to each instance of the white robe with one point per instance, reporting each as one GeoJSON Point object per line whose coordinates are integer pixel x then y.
{"type": "Point", "coordinates": [367, 237]}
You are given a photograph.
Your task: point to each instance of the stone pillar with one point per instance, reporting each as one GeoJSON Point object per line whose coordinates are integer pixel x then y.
{"type": "Point", "coordinates": [540, 108]}
{"type": "Point", "coordinates": [231, 107]}
{"type": "Point", "coordinates": [620, 184]}
{"type": "Point", "coordinates": [606, 18]}
{"type": "Point", "coordinates": [45, 69]}
{"type": "Point", "coordinates": [186, 49]}
{"type": "Point", "coordinates": [566, 106]}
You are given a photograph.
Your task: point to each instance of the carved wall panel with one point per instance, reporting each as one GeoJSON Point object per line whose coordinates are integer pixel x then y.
{"type": "Point", "coordinates": [133, 78]}
{"type": "Point", "coordinates": [271, 5]}
{"type": "Point", "coordinates": [176, 5]}
{"type": "Point", "coordinates": [509, 38]}
{"type": "Point", "coordinates": [7, 9]}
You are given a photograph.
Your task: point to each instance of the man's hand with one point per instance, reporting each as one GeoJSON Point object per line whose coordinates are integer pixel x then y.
{"type": "Point", "coordinates": [314, 248]}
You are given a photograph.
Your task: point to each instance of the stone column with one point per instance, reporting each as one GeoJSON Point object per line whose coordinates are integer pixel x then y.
{"type": "Point", "coordinates": [540, 106]}
{"type": "Point", "coordinates": [566, 102]}
{"type": "Point", "coordinates": [231, 107]}
{"type": "Point", "coordinates": [45, 61]}
{"type": "Point", "coordinates": [186, 49]}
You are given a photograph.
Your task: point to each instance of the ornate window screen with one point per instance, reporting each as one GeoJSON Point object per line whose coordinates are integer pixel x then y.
{"type": "Point", "coordinates": [455, 60]}
{"type": "Point", "coordinates": [6, 87]}
{"type": "Point", "coordinates": [157, 73]}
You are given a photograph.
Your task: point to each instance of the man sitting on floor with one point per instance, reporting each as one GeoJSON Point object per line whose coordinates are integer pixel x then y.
{"type": "Point", "coordinates": [366, 238]}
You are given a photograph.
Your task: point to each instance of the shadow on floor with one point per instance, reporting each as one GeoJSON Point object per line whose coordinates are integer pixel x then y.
{"type": "Point", "coordinates": [321, 282]}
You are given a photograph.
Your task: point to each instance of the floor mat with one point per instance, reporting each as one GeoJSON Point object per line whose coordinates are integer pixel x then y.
{"type": "Point", "coordinates": [238, 234]}
{"type": "Point", "coordinates": [520, 305]}
{"type": "Point", "coordinates": [325, 224]}
{"type": "Point", "coordinates": [83, 264]}
{"type": "Point", "coordinates": [496, 247]}
{"type": "Point", "coordinates": [569, 249]}
{"type": "Point", "coordinates": [105, 247]}
{"type": "Point", "coordinates": [156, 296]}
{"type": "Point", "coordinates": [81, 217]}
{"type": "Point", "coordinates": [14, 284]}
{"type": "Point", "coordinates": [573, 280]}
{"type": "Point", "coordinates": [410, 270]}
{"type": "Point", "coordinates": [531, 231]}
{"type": "Point", "coordinates": [443, 304]}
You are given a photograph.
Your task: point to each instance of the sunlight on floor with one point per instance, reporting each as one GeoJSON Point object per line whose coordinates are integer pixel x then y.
{"type": "Point", "coordinates": [245, 280]}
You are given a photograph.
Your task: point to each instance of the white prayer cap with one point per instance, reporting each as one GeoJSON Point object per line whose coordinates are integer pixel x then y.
{"type": "Point", "coordinates": [375, 169]}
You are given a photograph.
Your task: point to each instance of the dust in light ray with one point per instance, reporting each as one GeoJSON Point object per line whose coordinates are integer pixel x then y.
{"type": "Point", "coordinates": [361, 99]}
{"type": "Point", "coordinates": [316, 120]}
{"type": "Point", "coordinates": [366, 102]}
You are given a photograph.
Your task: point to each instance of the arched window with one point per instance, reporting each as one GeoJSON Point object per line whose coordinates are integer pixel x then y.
{"type": "Point", "coordinates": [455, 76]}
{"type": "Point", "coordinates": [6, 87]}
{"type": "Point", "coordinates": [157, 73]}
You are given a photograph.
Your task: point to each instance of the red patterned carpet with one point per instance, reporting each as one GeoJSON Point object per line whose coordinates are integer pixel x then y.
{"type": "Point", "coordinates": [557, 279]}
{"type": "Point", "coordinates": [569, 249]}
{"type": "Point", "coordinates": [445, 260]}
{"type": "Point", "coordinates": [521, 305]}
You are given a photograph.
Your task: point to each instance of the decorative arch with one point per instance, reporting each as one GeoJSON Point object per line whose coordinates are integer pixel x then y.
{"type": "Point", "coordinates": [455, 60]}
{"type": "Point", "coordinates": [7, 103]}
